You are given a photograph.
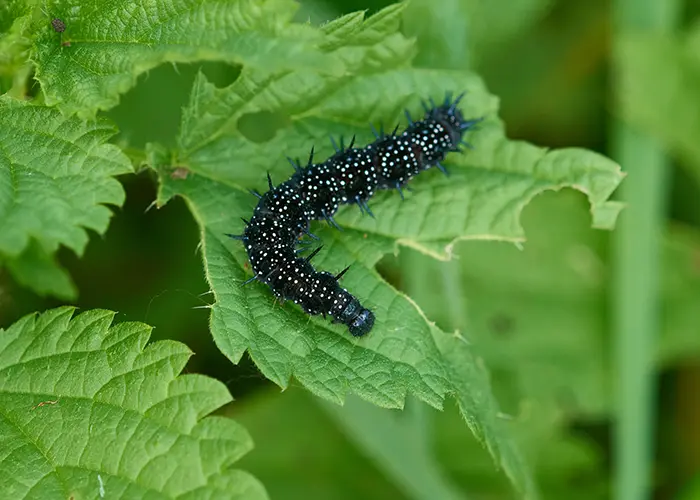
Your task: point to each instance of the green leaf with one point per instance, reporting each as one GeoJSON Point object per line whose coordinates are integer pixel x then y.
{"type": "Point", "coordinates": [36, 269]}
{"type": "Point", "coordinates": [538, 315]}
{"type": "Point", "coordinates": [56, 176]}
{"type": "Point", "coordinates": [369, 47]}
{"type": "Point", "coordinates": [87, 410]}
{"type": "Point", "coordinates": [659, 76]}
{"type": "Point", "coordinates": [483, 198]}
{"type": "Point", "coordinates": [106, 45]}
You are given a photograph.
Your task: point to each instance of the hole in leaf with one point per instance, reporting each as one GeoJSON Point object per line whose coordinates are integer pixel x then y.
{"type": "Point", "coordinates": [151, 111]}
{"type": "Point", "coordinates": [220, 74]}
{"type": "Point", "coordinates": [262, 126]}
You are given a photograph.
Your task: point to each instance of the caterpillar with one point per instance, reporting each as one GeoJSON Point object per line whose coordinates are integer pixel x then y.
{"type": "Point", "coordinates": [283, 214]}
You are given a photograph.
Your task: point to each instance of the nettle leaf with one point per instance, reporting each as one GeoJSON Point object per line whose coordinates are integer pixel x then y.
{"type": "Point", "coordinates": [87, 410]}
{"type": "Point", "coordinates": [56, 176]}
{"type": "Point", "coordinates": [659, 77]}
{"type": "Point", "coordinates": [404, 353]}
{"type": "Point", "coordinates": [538, 317]}
{"type": "Point", "coordinates": [107, 44]}
{"type": "Point", "coordinates": [37, 269]}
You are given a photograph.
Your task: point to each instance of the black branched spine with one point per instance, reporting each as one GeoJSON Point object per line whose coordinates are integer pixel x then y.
{"type": "Point", "coordinates": [316, 190]}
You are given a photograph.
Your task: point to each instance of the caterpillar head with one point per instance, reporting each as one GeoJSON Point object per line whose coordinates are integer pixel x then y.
{"type": "Point", "coordinates": [358, 319]}
{"type": "Point", "coordinates": [362, 323]}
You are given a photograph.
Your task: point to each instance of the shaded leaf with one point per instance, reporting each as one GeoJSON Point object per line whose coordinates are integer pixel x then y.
{"type": "Point", "coordinates": [539, 315]}
{"type": "Point", "coordinates": [88, 410]}
{"type": "Point", "coordinates": [56, 176]}
{"type": "Point", "coordinates": [458, 31]}
{"type": "Point", "coordinates": [36, 269]}
{"type": "Point", "coordinates": [536, 313]}
{"type": "Point", "coordinates": [658, 78]}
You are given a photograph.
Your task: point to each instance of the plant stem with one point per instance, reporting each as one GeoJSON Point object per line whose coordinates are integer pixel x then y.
{"type": "Point", "coordinates": [636, 271]}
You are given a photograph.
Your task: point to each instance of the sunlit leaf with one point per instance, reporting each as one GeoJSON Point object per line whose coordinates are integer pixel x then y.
{"type": "Point", "coordinates": [89, 411]}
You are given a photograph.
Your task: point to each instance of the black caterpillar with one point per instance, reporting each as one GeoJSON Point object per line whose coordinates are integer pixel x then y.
{"type": "Point", "coordinates": [316, 190]}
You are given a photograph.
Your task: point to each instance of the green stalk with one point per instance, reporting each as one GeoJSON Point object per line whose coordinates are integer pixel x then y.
{"type": "Point", "coordinates": [636, 270]}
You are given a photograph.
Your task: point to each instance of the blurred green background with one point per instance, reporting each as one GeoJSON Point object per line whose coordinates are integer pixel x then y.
{"type": "Point", "coordinates": [543, 318]}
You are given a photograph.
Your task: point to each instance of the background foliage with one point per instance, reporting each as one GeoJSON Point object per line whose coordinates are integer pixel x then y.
{"type": "Point", "coordinates": [538, 317]}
